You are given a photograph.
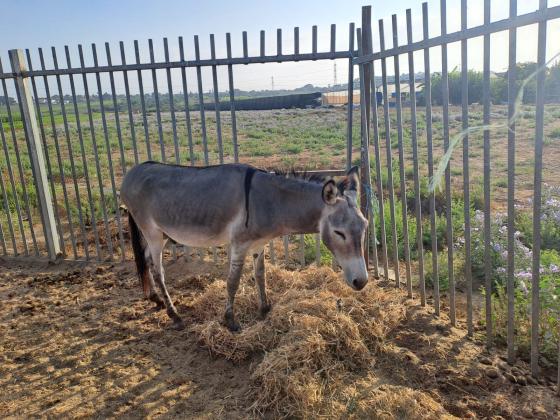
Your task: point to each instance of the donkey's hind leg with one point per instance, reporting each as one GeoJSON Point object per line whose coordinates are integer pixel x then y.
{"type": "Point", "coordinates": [238, 253]}
{"type": "Point", "coordinates": [156, 244]}
{"type": "Point", "coordinates": [153, 295]}
{"type": "Point", "coordinates": [260, 279]}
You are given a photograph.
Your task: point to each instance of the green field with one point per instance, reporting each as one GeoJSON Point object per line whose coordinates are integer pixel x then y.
{"type": "Point", "coordinates": [307, 139]}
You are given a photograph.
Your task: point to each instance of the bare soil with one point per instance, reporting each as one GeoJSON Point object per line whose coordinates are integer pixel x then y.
{"type": "Point", "coordinates": [80, 341]}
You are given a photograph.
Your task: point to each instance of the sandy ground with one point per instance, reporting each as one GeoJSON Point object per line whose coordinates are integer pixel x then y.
{"type": "Point", "coordinates": [80, 341]}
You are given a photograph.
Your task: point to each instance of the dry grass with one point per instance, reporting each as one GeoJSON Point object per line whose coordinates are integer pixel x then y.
{"type": "Point", "coordinates": [318, 332]}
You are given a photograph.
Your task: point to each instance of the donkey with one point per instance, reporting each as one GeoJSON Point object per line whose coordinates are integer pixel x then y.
{"type": "Point", "coordinates": [242, 206]}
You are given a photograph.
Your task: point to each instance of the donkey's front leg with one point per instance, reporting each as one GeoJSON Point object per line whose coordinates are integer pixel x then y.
{"type": "Point", "coordinates": [235, 269]}
{"type": "Point", "coordinates": [260, 279]}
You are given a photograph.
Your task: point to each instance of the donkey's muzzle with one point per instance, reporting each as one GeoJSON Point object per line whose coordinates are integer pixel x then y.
{"type": "Point", "coordinates": [359, 284]}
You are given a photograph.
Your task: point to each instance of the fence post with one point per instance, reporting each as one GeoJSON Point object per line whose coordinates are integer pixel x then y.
{"type": "Point", "coordinates": [366, 92]}
{"type": "Point", "coordinates": [36, 154]}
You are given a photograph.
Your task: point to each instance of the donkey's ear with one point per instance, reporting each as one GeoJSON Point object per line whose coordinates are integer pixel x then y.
{"type": "Point", "coordinates": [330, 192]}
{"type": "Point", "coordinates": [352, 181]}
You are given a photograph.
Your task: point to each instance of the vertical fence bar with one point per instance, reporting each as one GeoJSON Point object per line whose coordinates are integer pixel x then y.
{"type": "Point", "coordinates": [201, 100]}
{"type": "Point", "coordinates": [387, 119]}
{"type": "Point", "coordinates": [537, 185]}
{"type": "Point", "coordinates": [366, 193]}
{"type": "Point", "coordinates": [3, 241]}
{"type": "Point", "coordinates": [59, 159]}
{"type": "Point", "coordinates": [156, 99]}
{"type": "Point", "coordinates": [109, 157]}
{"type": "Point", "coordinates": [173, 119]}
{"type": "Point", "coordinates": [350, 109]}
{"type": "Point", "coordinates": [428, 95]}
{"type": "Point", "coordinates": [296, 41]}
{"type": "Point", "coordinates": [8, 216]}
{"type": "Point", "coordinates": [333, 38]}
{"type": "Point", "coordinates": [143, 102]}
{"type": "Point", "coordinates": [70, 155]}
{"type": "Point", "coordinates": [512, 96]}
{"type": "Point", "coordinates": [36, 156]}
{"type": "Point", "coordinates": [398, 105]}
{"type": "Point", "coordinates": [129, 105]}
{"type": "Point", "coordinates": [262, 44]}
{"type": "Point", "coordinates": [486, 124]}
{"type": "Point", "coordinates": [202, 114]}
{"type": "Point", "coordinates": [278, 41]}
{"type": "Point", "coordinates": [18, 161]}
{"type": "Point", "coordinates": [314, 39]}
{"type": "Point", "coordinates": [466, 177]}
{"type": "Point", "coordinates": [115, 108]}
{"type": "Point", "coordinates": [7, 205]}
{"type": "Point", "coordinates": [416, 169]}
{"type": "Point", "coordinates": [245, 46]}
{"type": "Point", "coordinates": [232, 101]}
{"type": "Point", "coordinates": [216, 100]}
{"type": "Point", "coordinates": [186, 100]}
{"type": "Point", "coordinates": [171, 103]}
{"type": "Point", "coordinates": [46, 153]}
{"type": "Point", "coordinates": [379, 181]}
{"type": "Point", "coordinates": [318, 249]}
{"type": "Point", "coordinates": [302, 250]}
{"type": "Point", "coordinates": [448, 212]}
{"type": "Point", "coordinates": [95, 154]}
{"type": "Point", "coordinates": [83, 156]}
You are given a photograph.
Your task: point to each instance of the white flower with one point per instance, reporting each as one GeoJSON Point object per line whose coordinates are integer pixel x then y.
{"type": "Point", "coordinates": [523, 287]}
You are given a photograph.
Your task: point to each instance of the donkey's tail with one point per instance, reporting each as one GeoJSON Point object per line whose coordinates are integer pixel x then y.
{"type": "Point", "coordinates": [138, 246]}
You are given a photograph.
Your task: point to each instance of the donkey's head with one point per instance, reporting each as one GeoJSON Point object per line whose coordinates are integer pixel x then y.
{"type": "Point", "coordinates": [343, 227]}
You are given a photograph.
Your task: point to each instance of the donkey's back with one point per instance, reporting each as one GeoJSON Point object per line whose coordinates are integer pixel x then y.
{"type": "Point", "coordinates": [192, 205]}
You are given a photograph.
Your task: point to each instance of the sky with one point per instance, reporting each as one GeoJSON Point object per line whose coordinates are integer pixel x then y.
{"type": "Point", "coordinates": [40, 23]}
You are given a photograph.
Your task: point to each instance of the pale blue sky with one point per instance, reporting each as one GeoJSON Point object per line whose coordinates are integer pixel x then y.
{"type": "Point", "coordinates": [34, 23]}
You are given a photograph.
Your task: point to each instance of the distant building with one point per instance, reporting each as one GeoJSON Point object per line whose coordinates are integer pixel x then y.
{"type": "Point", "coordinates": [339, 98]}
{"type": "Point", "coordinates": [392, 94]}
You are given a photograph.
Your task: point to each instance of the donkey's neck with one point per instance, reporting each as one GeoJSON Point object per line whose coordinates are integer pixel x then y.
{"type": "Point", "coordinates": [300, 208]}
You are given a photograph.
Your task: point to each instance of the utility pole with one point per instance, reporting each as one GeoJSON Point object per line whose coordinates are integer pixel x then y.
{"type": "Point", "coordinates": [272, 82]}
{"type": "Point", "coordinates": [335, 75]}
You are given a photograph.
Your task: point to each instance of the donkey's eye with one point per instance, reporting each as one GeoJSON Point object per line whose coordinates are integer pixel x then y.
{"type": "Point", "coordinates": [339, 233]}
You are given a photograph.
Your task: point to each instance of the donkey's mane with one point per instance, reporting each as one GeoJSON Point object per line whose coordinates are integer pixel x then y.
{"type": "Point", "coordinates": [293, 173]}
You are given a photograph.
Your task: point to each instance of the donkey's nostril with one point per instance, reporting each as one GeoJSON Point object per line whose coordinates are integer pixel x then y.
{"type": "Point", "coordinates": [358, 284]}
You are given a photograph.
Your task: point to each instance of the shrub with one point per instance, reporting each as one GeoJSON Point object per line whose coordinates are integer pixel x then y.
{"type": "Point", "coordinates": [443, 269]}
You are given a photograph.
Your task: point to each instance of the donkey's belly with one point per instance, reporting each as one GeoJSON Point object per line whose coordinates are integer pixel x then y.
{"type": "Point", "coordinates": [202, 236]}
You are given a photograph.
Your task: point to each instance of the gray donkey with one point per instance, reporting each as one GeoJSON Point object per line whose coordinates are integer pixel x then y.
{"type": "Point", "coordinates": [242, 206]}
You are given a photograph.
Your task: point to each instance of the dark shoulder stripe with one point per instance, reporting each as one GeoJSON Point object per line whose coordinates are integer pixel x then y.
{"type": "Point", "coordinates": [247, 184]}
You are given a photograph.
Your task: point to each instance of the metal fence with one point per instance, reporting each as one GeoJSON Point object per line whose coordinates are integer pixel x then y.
{"type": "Point", "coordinates": [61, 197]}
{"type": "Point", "coordinates": [32, 225]}
{"type": "Point", "coordinates": [367, 60]}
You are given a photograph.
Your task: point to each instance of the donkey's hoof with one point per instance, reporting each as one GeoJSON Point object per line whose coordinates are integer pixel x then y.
{"type": "Point", "coordinates": [178, 325]}
{"type": "Point", "coordinates": [264, 310]}
{"type": "Point", "coordinates": [233, 326]}
{"type": "Point", "coordinates": [230, 322]}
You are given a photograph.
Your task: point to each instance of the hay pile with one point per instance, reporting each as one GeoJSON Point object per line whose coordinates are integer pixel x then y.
{"type": "Point", "coordinates": [318, 340]}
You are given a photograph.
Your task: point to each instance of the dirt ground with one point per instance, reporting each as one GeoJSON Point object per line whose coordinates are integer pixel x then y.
{"type": "Point", "coordinates": [80, 341]}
